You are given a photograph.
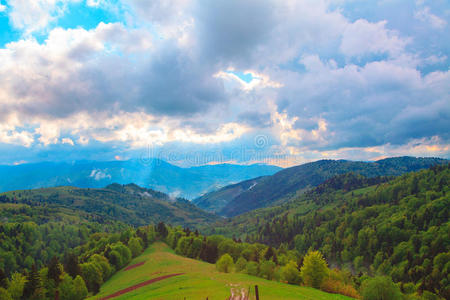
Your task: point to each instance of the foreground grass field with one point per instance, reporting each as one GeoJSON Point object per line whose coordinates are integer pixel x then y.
{"type": "Point", "coordinates": [199, 281]}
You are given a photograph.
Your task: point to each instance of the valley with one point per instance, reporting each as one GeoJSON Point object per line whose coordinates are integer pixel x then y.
{"type": "Point", "coordinates": [152, 173]}
{"type": "Point", "coordinates": [363, 221]}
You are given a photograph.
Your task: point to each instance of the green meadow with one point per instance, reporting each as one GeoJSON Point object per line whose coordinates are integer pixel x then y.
{"type": "Point", "coordinates": [200, 281]}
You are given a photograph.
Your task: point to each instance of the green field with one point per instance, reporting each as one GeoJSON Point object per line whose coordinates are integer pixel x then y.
{"type": "Point", "coordinates": [201, 280]}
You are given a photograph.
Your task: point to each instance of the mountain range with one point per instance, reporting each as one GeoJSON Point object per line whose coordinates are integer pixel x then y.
{"type": "Point", "coordinates": [278, 188]}
{"type": "Point", "coordinates": [157, 174]}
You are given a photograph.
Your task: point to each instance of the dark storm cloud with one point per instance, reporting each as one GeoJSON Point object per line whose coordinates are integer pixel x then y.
{"type": "Point", "coordinates": [174, 84]}
{"type": "Point", "coordinates": [232, 30]}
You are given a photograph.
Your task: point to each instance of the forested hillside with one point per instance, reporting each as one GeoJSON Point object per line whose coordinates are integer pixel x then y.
{"type": "Point", "coordinates": [371, 226]}
{"type": "Point", "coordinates": [72, 240]}
{"type": "Point", "coordinates": [287, 183]}
{"type": "Point", "coordinates": [215, 201]}
{"type": "Point", "coordinates": [60, 261]}
{"type": "Point", "coordinates": [130, 204]}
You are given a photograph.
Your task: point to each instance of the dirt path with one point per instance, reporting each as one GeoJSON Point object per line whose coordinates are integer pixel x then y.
{"type": "Point", "coordinates": [142, 284]}
{"type": "Point", "coordinates": [134, 266]}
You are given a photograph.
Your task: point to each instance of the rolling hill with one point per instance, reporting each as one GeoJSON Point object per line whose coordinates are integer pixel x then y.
{"type": "Point", "coordinates": [198, 280]}
{"type": "Point", "coordinates": [157, 174]}
{"type": "Point", "coordinates": [287, 183]}
{"type": "Point", "coordinates": [129, 204]}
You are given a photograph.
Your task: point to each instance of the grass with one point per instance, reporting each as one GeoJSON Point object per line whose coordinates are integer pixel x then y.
{"type": "Point", "coordinates": [200, 280]}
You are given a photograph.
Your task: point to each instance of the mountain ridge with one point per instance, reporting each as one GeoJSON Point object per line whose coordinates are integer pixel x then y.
{"type": "Point", "coordinates": [129, 204]}
{"type": "Point", "coordinates": [286, 183]}
{"type": "Point", "coordinates": [151, 173]}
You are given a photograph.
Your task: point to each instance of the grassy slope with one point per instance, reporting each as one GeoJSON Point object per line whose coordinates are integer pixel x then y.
{"type": "Point", "coordinates": [200, 280]}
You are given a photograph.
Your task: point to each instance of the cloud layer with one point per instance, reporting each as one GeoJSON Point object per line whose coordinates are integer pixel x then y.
{"type": "Point", "coordinates": [316, 78]}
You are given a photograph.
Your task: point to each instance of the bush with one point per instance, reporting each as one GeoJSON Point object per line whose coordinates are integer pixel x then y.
{"type": "Point", "coordinates": [103, 263]}
{"type": "Point", "coordinates": [343, 276]}
{"type": "Point", "coordinates": [240, 264]}
{"type": "Point", "coordinates": [338, 287]}
{"type": "Point", "coordinates": [66, 287]}
{"type": "Point", "coordinates": [135, 245]}
{"type": "Point", "coordinates": [251, 268]}
{"type": "Point", "coordinates": [16, 285]}
{"type": "Point", "coordinates": [72, 289]}
{"type": "Point", "coordinates": [290, 273]}
{"type": "Point", "coordinates": [79, 288]}
{"type": "Point", "coordinates": [225, 263]}
{"type": "Point", "coordinates": [92, 276]}
{"type": "Point", "coordinates": [314, 270]}
{"type": "Point", "coordinates": [429, 296]}
{"type": "Point", "coordinates": [4, 295]}
{"type": "Point", "coordinates": [380, 288]}
{"type": "Point", "coordinates": [409, 288]}
{"type": "Point", "coordinates": [267, 269]}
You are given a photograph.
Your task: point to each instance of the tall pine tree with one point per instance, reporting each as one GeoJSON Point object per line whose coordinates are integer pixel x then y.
{"type": "Point", "coordinates": [71, 265]}
{"type": "Point", "coordinates": [54, 270]}
{"type": "Point", "coordinates": [33, 283]}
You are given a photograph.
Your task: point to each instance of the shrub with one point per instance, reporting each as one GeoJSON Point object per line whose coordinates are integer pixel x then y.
{"type": "Point", "coordinates": [92, 276]}
{"type": "Point", "coordinates": [427, 295]}
{"type": "Point", "coordinates": [267, 269]}
{"type": "Point", "coordinates": [240, 264]}
{"type": "Point", "coordinates": [409, 288]}
{"type": "Point", "coordinates": [103, 263]}
{"type": "Point", "coordinates": [251, 268]}
{"type": "Point", "coordinates": [225, 263]}
{"type": "Point", "coordinates": [72, 289]}
{"type": "Point", "coordinates": [290, 273]}
{"type": "Point", "coordinates": [314, 270]}
{"type": "Point", "coordinates": [16, 285]}
{"type": "Point", "coordinates": [380, 288]}
{"type": "Point", "coordinates": [135, 245]}
{"type": "Point", "coordinates": [79, 288]}
{"type": "Point", "coordinates": [4, 295]}
{"type": "Point", "coordinates": [66, 287]}
{"type": "Point", "coordinates": [338, 287]}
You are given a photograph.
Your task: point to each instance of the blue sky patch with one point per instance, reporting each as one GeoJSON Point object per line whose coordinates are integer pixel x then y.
{"type": "Point", "coordinates": [81, 15]}
{"type": "Point", "coordinates": [247, 77]}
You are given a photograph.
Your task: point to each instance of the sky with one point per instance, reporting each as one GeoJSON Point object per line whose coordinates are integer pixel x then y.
{"type": "Point", "coordinates": [223, 81]}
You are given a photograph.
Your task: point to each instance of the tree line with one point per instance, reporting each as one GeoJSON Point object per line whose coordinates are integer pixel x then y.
{"type": "Point", "coordinates": [277, 263]}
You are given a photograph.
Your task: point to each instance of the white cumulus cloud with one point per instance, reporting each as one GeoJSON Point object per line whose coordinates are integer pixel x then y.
{"type": "Point", "coordinates": [363, 37]}
{"type": "Point", "coordinates": [425, 15]}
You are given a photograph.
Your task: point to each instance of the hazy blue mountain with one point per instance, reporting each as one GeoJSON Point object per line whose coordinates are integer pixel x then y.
{"type": "Point", "coordinates": [269, 190]}
{"type": "Point", "coordinates": [157, 174]}
{"type": "Point", "coordinates": [215, 201]}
